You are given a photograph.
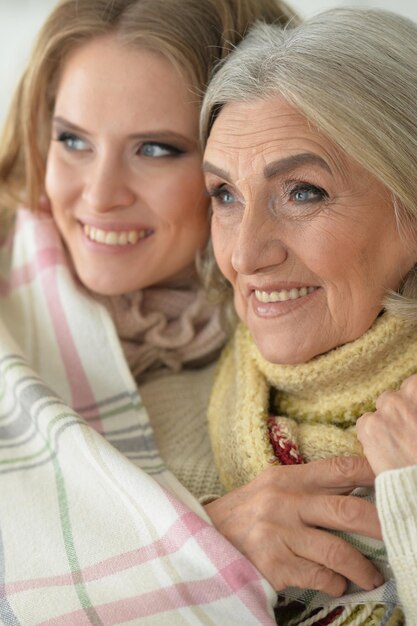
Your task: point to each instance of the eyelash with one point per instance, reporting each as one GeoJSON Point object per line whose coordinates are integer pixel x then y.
{"type": "Point", "coordinates": [290, 189]}
{"type": "Point", "coordinates": [172, 150]}
{"type": "Point", "coordinates": [66, 137]}
{"type": "Point", "coordinates": [293, 187]}
{"type": "Point", "coordinates": [216, 192]}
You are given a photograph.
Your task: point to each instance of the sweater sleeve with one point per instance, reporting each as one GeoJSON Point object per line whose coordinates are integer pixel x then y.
{"type": "Point", "coordinates": [396, 498]}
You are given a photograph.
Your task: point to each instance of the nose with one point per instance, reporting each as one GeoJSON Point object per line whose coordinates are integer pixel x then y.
{"type": "Point", "coordinates": [257, 244]}
{"type": "Point", "coordinates": [107, 185]}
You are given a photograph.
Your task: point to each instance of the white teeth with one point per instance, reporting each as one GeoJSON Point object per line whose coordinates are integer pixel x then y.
{"type": "Point", "coordinates": [100, 235]}
{"type": "Point", "coordinates": [132, 236]}
{"type": "Point", "coordinates": [111, 239]}
{"type": "Point", "coordinates": [114, 238]}
{"type": "Point", "coordinates": [283, 295]}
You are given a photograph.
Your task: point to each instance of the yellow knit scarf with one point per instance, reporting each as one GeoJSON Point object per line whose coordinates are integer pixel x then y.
{"type": "Point", "coordinates": [317, 402]}
{"type": "Point", "coordinates": [316, 405]}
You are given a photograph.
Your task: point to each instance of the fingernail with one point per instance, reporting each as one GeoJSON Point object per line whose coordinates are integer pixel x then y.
{"type": "Point", "coordinates": [378, 580]}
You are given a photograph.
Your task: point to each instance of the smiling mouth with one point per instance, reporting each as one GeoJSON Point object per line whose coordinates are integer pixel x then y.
{"type": "Point", "coordinates": [116, 238]}
{"type": "Point", "coordinates": [283, 295]}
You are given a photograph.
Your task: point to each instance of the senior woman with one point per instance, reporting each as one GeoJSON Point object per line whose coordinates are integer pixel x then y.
{"type": "Point", "coordinates": [310, 161]}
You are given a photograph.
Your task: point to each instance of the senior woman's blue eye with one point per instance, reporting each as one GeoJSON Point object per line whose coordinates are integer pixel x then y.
{"type": "Point", "coordinates": [72, 141]}
{"type": "Point", "coordinates": [306, 193]}
{"type": "Point", "coordinates": [222, 195]}
{"type": "Point", "coordinates": [157, 150]}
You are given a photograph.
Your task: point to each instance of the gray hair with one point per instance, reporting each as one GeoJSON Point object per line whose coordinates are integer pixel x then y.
{"type": "Point", "coordinates": [353, 73]}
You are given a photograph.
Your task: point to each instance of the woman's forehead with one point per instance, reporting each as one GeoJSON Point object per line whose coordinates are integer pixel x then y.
{"type": "Point", "coordinates": [268, 129]}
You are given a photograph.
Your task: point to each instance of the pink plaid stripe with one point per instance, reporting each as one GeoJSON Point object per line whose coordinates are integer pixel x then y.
{"type": "Point", "coordinates": [172, 598]}
{"type": "Point", "coordinates": [237, 571]}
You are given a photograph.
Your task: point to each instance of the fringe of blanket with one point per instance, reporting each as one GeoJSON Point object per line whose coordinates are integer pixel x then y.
{"type": "Point", "coordinates": [351, 615]}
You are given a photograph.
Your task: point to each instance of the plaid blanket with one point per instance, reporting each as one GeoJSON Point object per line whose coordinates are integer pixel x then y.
{"type": "Point", "coordinates": [93, 528]}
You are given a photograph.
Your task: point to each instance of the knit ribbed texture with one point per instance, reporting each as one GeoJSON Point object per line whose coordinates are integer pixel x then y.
{"type": "Point", "coordinates": [397, 502]}
{"type": "Point", "coordinates": [177, 408]}
{"type": "Point", "coordinates": [316, 405]}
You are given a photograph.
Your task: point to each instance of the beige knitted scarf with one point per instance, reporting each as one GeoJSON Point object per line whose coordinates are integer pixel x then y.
{"type": "Point", "coordinates": [315, 405]}
{"type": "Point", "coordinates": [167, 327]}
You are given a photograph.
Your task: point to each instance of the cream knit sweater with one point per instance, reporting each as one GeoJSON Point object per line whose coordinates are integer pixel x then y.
{"type": "Point", "coordinates": [177, 408]}
{"type": "Point", "coordinates": [396, 498]}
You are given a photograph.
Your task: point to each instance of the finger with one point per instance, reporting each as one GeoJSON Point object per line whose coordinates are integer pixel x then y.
{"type": "Point", "coordinates": [345, 513]}
{"type": "Point", "coordinates": [337, 555]}
{"type": "Point", "coordinates": [409, 385]}
{"type": "Point", "coordinates": [306, 574]}
{"type": "Point", "coordinates": [390, 401]}
{"type": "Point", "coordinates": [336, 475]}
{"type": "Point", "coordinates": [365, 427]}
{"type": "Point", "coordinates": [282, 567]}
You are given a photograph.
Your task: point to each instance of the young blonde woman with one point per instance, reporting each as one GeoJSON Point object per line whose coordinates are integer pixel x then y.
{"type": "Point", "coordinates": [101, 153]}
{"type": "Point", "coordinates": [103, 136]}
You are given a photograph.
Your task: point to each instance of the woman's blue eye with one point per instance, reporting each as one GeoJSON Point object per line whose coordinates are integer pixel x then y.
{"type": "Point", "coordinates": [302, 194]}
{"type": "Point", "coordinates": [72, 142]}
{"type": "Point", "coordinates": [157, 150]}
{"type": "Point", "coordinates": [227, 197]}
{"type": "Point", "coordinates": [222, 196]}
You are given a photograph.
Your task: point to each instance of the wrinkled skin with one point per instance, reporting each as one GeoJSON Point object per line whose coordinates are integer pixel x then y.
{"type": "Point", "coordinates": [389, 434]}
{"type": "Point", "coordinates": [277, 520]}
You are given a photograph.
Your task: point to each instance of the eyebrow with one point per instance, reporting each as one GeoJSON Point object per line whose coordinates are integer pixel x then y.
{"type": "Point", "coordinates": [283, 166]}
{"type": "Point", "coordinates": [217, 171]}
{"type": "Point", "coordinates": [151, 135]}
{"type": "Point", "coordinates": [276, 168]}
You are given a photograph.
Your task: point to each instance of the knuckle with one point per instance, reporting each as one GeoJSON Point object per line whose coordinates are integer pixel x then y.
{"type": "Point", "coordinates": [270, 475]}
{"type": "Point", "coordinates": [335, 554]}
{"type": "Point", "coordinates": [386, 399]}
{"type": "Point", "coordinates": [346, 466]}
{"type": "Point", "coordinates": [276, 477]}
{"type": "Point", "coordinates": [362, 421]}
{"type": "Point", "coordinates": [319, 577]}
{"type": "Point", "coordinates": [365, 425]}
{"type": "Point", "coordinates": [264, 507]}
{"type": "Point", "coordinates": [410, 383]}
{"type": "Point", "coordinates": [349, 510]}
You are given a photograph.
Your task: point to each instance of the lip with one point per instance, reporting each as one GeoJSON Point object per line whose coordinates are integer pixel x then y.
{"type": "Point", "coordinates": [268, 310]}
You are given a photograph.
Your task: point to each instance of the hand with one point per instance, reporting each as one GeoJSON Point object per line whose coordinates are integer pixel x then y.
{"type": "Point", "coordinates": [274, 521]}
{"type": "Point", "coordinates": [389, 435]}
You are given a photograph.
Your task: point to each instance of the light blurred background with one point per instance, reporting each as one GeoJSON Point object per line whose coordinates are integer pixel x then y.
{"type": "Point", "coordinates": [20, 20]}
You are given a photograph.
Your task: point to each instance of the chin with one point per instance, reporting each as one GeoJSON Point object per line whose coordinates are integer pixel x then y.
{"type": "Point", "coordinates": [284, 353]}
{"type": "Point", "coordinates": [105, 288]}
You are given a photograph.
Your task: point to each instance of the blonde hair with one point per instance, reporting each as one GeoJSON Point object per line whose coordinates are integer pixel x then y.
{"type": "Point", "coordinates": [193, 34]}
{"type": "Point", "coordinates": [352, 72]}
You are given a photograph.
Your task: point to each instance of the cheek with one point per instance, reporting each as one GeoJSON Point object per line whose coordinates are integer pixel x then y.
{"type": "Point", "coordinates": [60, 185]}
{"type": "Point", "coordinates": [222, 249]}
{"type": "Point", "coordinates": [50, 178]}
{"type": "Point", "coordinates": [182, 190]}
{"type": "Point", "coordinates": [333, 254]}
